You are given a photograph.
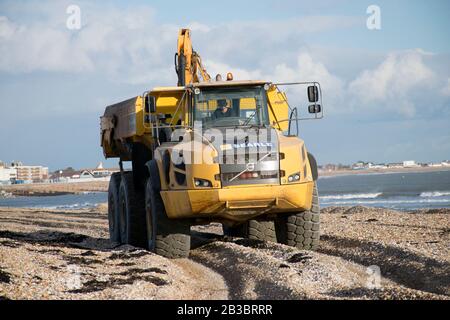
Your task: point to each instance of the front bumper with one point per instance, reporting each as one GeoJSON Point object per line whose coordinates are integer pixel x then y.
{"type": "Point", "coordinates": [238, 203]}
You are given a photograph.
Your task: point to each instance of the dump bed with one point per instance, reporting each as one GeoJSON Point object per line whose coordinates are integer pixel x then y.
{"type": "Point", "coordinates": [120, 123]}
{"type": "Point", "coordinates": [123, 123]}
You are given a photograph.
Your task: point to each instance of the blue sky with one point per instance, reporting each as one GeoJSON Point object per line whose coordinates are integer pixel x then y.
{"type": "Point", "coordinates": [386, 92]}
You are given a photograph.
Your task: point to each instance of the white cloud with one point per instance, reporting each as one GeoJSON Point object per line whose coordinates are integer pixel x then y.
{"type": "Point", "coordinates": [130, 46]}
{"type": "Point", "coordinates": [394, 86]}
{"type": "Point", "coordinates": [305, 69]}
{"type": "Point", "coordinates": [198, 27]}
{"type": "Point", "coordinates": [124, 45]}
{"type": "Point", "coordinates": [123, 42]}
{"type": "Point", "coordinates": [390, 84]}
{"type": "Point", "coordinates": [214, 68]}
{"type": "Point", "coordinates": [446, 89]}
{"type": "Point", "coordinates": [25, 49]}
{"type": "Point", "coordinates": [7, 29]}
{"type": "Point", "coordinates": [308, 69]}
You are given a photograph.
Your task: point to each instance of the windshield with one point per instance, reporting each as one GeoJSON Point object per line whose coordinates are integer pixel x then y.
{"type": "Point", "coordinates": [221, 107]}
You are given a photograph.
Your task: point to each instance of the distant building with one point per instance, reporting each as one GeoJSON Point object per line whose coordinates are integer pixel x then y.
{"type": "Point", "coordinates": [341, 166]}
{"type": "Point", "coordinates": [360, 165]}
{"type": "Point", "coordinates": [423, 165]}
{"type": "Point", "coordinates": [7, 175]}
{"type": "Point", "coordinates": [377, 166]}
{"type": "Point", "coordinates": [64, 175]}
{"type": "Point", "coordinates": [445, 163]}
{"type": "Point", "coordinates": [71, 175]}
{"type": "Point", "coordinates": [409, 164]}
{"type": "Point", "coordinates": [31, 173]}
{"type": "Point", "coordinates": [19, 173]}
{"type": "Point", "coordinates": [329, 167]}
{"type": "Point", "coordinates": [395, 165]}
{"type": "Point", "coordinates": [98, 172]}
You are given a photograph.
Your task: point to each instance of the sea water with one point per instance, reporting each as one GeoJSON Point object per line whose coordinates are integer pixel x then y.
{"type": "Point", "coordinates": [401, 191]}
{"type": "Point", "coordinates": [67, 202]}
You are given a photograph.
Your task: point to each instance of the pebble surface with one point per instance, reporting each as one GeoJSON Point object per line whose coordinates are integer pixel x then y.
{"type": "Point", "coordinates": [365, 253]}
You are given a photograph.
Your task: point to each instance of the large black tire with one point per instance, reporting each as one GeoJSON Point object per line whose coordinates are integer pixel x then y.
{"type": "Point", "coordinates": [132, 213]}
{"type": "Point", "coordinates": [301, 230]}
{"type": "Point", "coordinates": [113, 208]}
{"type": "Point", "coordinates": [262, 230]}
{"type": "Point", "coordinates": [170, 238]}
{"type": "Point", "coordinates": [255, 229]}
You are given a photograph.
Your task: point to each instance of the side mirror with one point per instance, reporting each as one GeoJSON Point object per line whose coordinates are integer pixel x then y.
{"type": "Point", "coordinates": [315, 108]}
{"type": "Point", "coordinates": [150, 104]}
{"type": "Point", "coordinates": [313, 94]}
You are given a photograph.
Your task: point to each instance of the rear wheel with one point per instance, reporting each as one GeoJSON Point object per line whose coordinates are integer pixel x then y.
{"type": "Point", "coordinates": [131, 212]}
{"type": "Point", "coordinates": [301, 230]}
{"type": "Point", "coordinates": [255, 229]}
{"type": "Point", "coordinates": [170, 238]}
{"type": "Point", "coordinates": [262, 230]}
{"type": "Point", "coordinates": [113, 208]}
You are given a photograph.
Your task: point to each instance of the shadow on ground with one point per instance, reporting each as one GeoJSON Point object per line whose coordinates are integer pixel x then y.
{"type": "Point", "coordinates": [57, 239]}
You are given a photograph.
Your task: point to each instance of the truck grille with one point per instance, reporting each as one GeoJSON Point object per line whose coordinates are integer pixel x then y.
{"type": "Point", "coordinates": [244, 148]}
{"type": "Point", "coordinates": [262, 170]}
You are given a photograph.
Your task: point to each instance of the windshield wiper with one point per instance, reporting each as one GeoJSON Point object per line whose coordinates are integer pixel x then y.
{"type": "Point", "coordinates": [258, 107]}
{"type": "Point", "coordinates": [249, 119]}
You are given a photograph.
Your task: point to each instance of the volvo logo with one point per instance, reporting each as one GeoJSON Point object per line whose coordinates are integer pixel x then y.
{"type": "Point", "coordinates": [250, 166]}
{"type": "Point", "coordinates": [253, 145]}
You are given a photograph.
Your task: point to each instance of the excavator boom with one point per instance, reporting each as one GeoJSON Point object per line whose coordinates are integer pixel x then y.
{"type": "Point", "coordinates": [188, 63]}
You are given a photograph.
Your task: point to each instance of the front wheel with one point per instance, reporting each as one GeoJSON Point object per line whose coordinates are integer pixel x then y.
{"type": "Point", "coordinates": [169, 238]}
{"type": "Point", "coordinates": [254, 229]}
{"type": "Point", "coordinates": [301, 230]}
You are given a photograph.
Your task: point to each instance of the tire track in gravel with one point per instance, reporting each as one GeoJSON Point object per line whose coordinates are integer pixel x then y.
{"type": "Point", "coordinates": [244, 279]}
{"type": "Point", "coordinates": [263, 270]}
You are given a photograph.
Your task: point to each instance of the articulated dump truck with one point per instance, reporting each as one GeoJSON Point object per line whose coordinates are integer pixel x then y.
{"type": "Point", "coordinates": [210, 151]}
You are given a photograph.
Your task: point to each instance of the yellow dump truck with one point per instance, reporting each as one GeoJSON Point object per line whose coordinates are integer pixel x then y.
{"type": "Point", "coordinates": [210, 151]}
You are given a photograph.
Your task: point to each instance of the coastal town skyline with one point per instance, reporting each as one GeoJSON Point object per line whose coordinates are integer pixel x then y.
{"type": "Point", "coordinates": [353, 164]}
{"type": "Point", "coordinates": [19, 172]}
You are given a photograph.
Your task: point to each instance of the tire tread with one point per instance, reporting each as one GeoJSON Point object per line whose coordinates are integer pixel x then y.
{"type": "Point", "coordinates": [301, 230]}
{"type": "Point", "coordinates": [173, 237]}
{"type": "Point", "coordinates": [135, 215]}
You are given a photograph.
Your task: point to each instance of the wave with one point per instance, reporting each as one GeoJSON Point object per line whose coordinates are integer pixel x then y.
{"type": "Point", "coordinates": [352, 196]}
{"type": "Point", "coordinates": [74, 206]}
{"type": "Point", "coordinates": [435, 194]}
{"type": "Point", "coordinates": [389, 201]}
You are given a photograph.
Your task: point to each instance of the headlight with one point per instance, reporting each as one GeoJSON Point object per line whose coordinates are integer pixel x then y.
{"type": "Point", "coordinates": [294, 177]}
{"type": "Point", "coordinates": [202, 183]}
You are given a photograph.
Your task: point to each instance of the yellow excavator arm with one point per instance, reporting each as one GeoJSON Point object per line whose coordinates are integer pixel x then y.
{"type": "Point", "coordinates": [188, 63]}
